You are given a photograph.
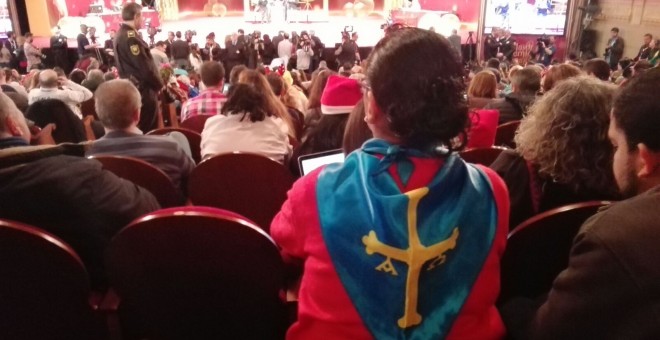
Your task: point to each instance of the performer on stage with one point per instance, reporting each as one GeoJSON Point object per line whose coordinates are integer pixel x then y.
{"type": "Point", "coordinates": [59, 47]}
{"type": "Point", "coordinates": [134, 62]}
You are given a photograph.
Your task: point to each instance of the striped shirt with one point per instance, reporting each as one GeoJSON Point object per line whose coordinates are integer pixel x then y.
{"type": "Point", "coordinates": [208, 102]}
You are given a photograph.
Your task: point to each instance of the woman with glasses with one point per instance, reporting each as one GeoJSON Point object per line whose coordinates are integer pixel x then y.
{"type": "Point", "coordinates": [403, 239]}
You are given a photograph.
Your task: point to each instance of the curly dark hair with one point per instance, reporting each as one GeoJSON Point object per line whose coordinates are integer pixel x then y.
{"type": "Point", "coordinates": [423, 100]}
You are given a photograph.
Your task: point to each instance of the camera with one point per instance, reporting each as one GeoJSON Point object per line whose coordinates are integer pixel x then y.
{"type": "Point", "coordinates": [543, 40]}
{"type": "Point", "coordinates": [346, 32]}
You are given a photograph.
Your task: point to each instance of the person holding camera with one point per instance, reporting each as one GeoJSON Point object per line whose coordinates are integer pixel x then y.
{"type": "Point", "coordinates": [347, 53]}
{"type": "Point", "coordinates": [614, 49]}
{"type": "Point", "coordinates": [304, 55]}
{"type": "Point", "coordinates": [544, 50]}
{"type": "Point", "coordinates": [32, 53]}
{"type": "Point", "coordinates": [255, 50]}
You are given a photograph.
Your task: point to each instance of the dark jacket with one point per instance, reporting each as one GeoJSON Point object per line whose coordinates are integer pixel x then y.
{"type": "Point", "coordinates": [530, 193]}
{"type": "Point", "coordinates": [610, 289]}
{"type": "Point", "coordinates": [512, 107]}
{"type": "Point", "coordinates": [180, 49]}
{"type": "Point", "coordinates": [71, 197]}
{"type": "Point", "coordinates": [134, 60]}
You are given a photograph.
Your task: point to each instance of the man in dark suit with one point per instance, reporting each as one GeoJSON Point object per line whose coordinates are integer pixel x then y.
{"type": "Point", "coordinates": [645, 50]}
{"type": "Point", "coordinates": [492, 44]}
{"type": "Point", "coordinates": [455, 41]}
{"type": "Point", "coordinates": [180, 52]}
{"type": "Point", "coordinates": [12, 46]}
{"type": "Point", "coordinates": [611, 286]}
{"type": "Point", "coordinates": [234, 53]}
{"type": "Point", "coordinates": [168, 44]}
{"type": "Point", "coordinates": [84, 46]}
{"type": "Point", "coordinates": [135, 63]}
{"type": "Point", "coordinates": [614, 49]}
{"type": "Point", "coordinates": [59, 47]}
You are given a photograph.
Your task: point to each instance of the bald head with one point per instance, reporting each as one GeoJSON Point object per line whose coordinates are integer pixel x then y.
{"type": "Point", "coordinates": [12, 121]}
{"type": "Point", "coordinates": [48, 79]}
{"type": "Point", "coordinates": [113, 116]}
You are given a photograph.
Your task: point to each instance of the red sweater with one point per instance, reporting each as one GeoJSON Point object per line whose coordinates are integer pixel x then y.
{"type": "Point", "coordinates": [324, 307]}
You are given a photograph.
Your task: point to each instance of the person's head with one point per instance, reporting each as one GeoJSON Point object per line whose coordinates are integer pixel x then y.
{"type": "Point", "coordinates": [635, 136]}
{"type": "Point", "coordinates": [526, 80]}
{"type": "Point", "coordinates": [513, 70]}
{"type": "Point", "coordinates": [626, 67]}
{"type": "Point", "coordinates": [640, 67]}
{"type": "Point", "coordinates": [84, 29]}
{"type": "Point", "coordinates": [241, 31]}
{"type": "Point", "coordinates": [425, 109]}
{"type": "Point", "coordinates": [557, 74]}
{"type": "Point", "coordinates": [11, 35]}
{"type": "Point", "coordinates": [454, 32]}
{"type": "Point", "coordinates": [77, 76]}
{"type": "Point", "coordinates": [210, 39]}
{"type": "Point", "coordinates": [234, 37]}
{"type": "Point", "coordinates": [161, 46]}
{"type": "Point", "coordinates": [598, 68]}
{"type": "Point", "coordinates": [213, 74]}
{"type": "Point", "coordinates": [648, 37]}
{"type": "Point", "coordinates": [316, 89]}
{"type": "Point", "coordinates": [273, 104]}
{"type": "Point", "coordinates": [267, 39]}
{"type": "Point", "coordinates": [95, 76]}
{"type": "Point", "coordinates": [248, 101]}
{"type": "Point", "coordinates": [357, 131]}
{"type": "Point", "coordinates": [286, 36]}
{"type": "Point", "coordinates": [59, 71]}
{"type": "Point", "coordinates": [493, 63]}
{"type": "Point", "coordinates": [29, 37]}
{"type": "Point", "coordinates": [236, 73]}
{"type": "Point", "coordinates": [48, 79]}
{"type": "Point", "coordinates": [551, 40]}
{"type": "Point", "coordinates": [276, 83]}
{"type": "Point", "coordinates": [12, 120]}
{"type": "Point", "coordinates": [483, 85]}
{"type": "Point", "coordinates": [178, 34]}
{"type": "Point", "coordinates": [354, 36]}
{"type": "Point", "coordinates": [170, 35]}
{"type": "Point", "coordinates": [68, 127]}
{"type": "Point", "coordinates": [655, 43]}
{"type": "Point", "coordinates": [564, 135]}
{"type": "Point", "coordinates": [614, 32]}
{"type": "Point", "coordinates": [113, 116]}
{"type": "Point", "coordinates": [131, 13]}
{"type": "Point", "coordinates": [113, 32]}
{"type": "Point", "coordinates": [109, 76]}
{"type": "Point", "coordinates": [92, 31]}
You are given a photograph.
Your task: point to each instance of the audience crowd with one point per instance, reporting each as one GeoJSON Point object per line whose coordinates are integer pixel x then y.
{"type": "Point", "coordinates": [403, 208]}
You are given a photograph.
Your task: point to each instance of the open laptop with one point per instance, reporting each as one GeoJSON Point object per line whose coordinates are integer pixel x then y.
{"type": "Point", "coordinates": [308, 163]}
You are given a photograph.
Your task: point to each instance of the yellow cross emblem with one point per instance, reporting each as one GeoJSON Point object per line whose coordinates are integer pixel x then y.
{"type": "Point", "coordinates": [415, 256]}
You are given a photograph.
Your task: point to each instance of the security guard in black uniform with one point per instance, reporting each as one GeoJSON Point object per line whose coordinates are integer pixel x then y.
{"type": "Point", "coordinates": [135, 63]}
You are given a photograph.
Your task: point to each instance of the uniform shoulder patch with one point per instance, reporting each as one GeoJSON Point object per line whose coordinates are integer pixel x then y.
{"type": "Point", "coordinates": [131, 34]}
{"type": "Point", "coordinates": [135, 49]}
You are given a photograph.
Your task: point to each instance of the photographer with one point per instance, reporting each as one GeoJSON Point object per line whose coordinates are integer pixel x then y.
{"type": "Point", "coordinates": [347, 52]}
{"type": "Point", "coordinates": [304, 54]}
{"type": "Point", "coordinates": [189, 36]}
{"type": "Point", "coordinates": [544, 50]}
{"type": "Point", "coordinates": [318, 47]}
{"type": "Point", "coordinates": [211, 50]}
{"type": "Point", "coordinates": [255, 50]}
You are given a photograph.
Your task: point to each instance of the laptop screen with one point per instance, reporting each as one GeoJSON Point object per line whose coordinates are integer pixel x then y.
{"type": "Point", "coordinates": [308, 163]}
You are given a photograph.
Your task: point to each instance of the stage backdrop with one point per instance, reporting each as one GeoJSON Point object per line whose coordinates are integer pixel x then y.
{"type": "Point", "coordinates": [527, 42]}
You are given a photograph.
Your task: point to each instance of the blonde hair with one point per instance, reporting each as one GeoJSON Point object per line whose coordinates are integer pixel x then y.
{"type": "Point", "coordinates": [483, 85]}
{"type": "Point", "coordinates": [565, 134]}
{"type": "Point", "coordinates": [273, 104]}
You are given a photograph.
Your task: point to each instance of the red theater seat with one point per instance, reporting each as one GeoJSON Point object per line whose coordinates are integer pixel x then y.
{"type": "Point", "coordinates": [198, 273]}
{"type": "Point", "coordinates": [144, 175]}
{"type": "Point", "coordinates": [44, 289]}
{"type": "Point", "coordinates": [249, 184]}
{"type": "Point", "coordinates": [195, 123]}
{"type": "Point", "coordinates": [505, 134]}
{"type": "Point", "coordinates": [538, 249]}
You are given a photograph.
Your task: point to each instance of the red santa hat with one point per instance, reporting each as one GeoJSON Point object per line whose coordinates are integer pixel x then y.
{"type": "Point", "coordinates": [340, 95]}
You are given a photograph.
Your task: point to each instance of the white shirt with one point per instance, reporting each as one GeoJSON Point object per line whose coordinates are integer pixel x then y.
{"type": "Point", "coordinates": [72, 94]}
{"type": "Point", "coordinates": [223, 134]}
{"type": "Point", "coordinates": [285, 50]}
{"type": "Point", "coordinates": [304, 58]}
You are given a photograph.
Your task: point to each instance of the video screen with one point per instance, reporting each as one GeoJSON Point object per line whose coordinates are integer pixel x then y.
{"type": "Point", "coordinates": [527, 16]}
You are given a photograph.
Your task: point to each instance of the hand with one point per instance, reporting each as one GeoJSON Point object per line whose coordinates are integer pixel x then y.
{"type": "Point", "coordinates": [45, 136]}
{"type": "Point", "coordinates": [62, 80]}
{"type": "Point", "coordinates": [500, 55]}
